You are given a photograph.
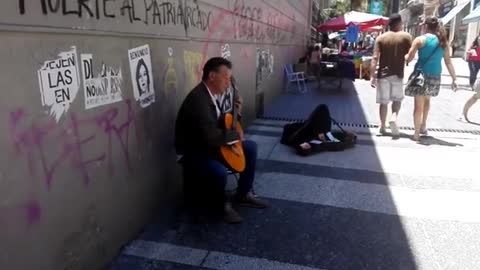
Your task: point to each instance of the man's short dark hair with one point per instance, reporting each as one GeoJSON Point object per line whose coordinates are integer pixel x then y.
{"type": "Point", "coordinates": [394, 20]}
{"type": "Point", "coordinates": [213, 64]}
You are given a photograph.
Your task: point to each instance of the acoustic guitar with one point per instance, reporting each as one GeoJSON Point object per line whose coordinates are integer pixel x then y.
{"type": "Point", "coordinates": [232, 153]}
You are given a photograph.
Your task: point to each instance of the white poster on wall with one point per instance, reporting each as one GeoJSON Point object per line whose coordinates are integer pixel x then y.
{"type": "Point", "coordinates": [225, 51]}
{"type": "Point", "coordinates": [141, 74]}
{"type": "Point", "coordinates": [59, 82]}
{"type": "Point", "coordinates": [103, 89]}
{"type": "Point", "coordinates": [226, 102]}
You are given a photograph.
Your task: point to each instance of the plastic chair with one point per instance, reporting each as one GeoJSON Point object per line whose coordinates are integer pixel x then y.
{"type": "Point", "coordinates": [295, 77]}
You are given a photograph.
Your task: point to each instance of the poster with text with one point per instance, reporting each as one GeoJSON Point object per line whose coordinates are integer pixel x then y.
{"type": "Point", "coordinates": [59, 82]}
{"type": "Point", "coordinates": [141, 74]}
{"type": "Point", "coordinates": [102, 89]}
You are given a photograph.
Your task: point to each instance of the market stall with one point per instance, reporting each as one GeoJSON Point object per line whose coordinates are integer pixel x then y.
{"type": "Point", "coordinates": [357, 53]}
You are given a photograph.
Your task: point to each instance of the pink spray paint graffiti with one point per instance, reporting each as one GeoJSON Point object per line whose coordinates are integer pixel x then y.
{"type": "Point", "coordinates": [46, 147]}
{"type": "Point", "coordinates": [29, 212]}
{"type": "Point", "coordinates": [33, 212]}
{"type": "Point", "coordinates": [31, 142]}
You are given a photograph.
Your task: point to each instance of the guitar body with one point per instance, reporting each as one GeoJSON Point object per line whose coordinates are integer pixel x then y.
{"type": "Point", "coordinates": [233, 154]}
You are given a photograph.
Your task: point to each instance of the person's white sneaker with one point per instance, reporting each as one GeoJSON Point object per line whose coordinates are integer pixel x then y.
{"type": "Point", "coordinates": [394, 128]}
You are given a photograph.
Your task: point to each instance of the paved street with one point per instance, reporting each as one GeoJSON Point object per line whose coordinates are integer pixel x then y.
{"type": "Point", "coordinates": [356, 104]}
{"type": "Point", "coordinates": [386, 204]}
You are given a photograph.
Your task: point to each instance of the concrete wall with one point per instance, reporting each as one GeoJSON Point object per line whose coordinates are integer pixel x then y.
{"type": "Point", "coordinates": [76, 183]}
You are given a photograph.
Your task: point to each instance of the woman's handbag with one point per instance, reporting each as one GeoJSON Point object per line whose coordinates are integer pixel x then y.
{"type": "Point", "coordinates": [417, 78]}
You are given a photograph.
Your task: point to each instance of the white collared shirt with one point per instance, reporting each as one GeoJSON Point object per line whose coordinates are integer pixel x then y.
{"type": "Point", "coordinates": [214, 100]}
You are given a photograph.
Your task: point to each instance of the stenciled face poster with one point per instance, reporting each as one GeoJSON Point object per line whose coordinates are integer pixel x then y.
{"type": "Point", "coordinates": [142, 76]}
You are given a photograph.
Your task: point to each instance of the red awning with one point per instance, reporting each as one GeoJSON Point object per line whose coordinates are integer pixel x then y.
{"type": "Point", "coordinates": [378, 28]}
{"type": "Point", "coordinates": [364, 20]}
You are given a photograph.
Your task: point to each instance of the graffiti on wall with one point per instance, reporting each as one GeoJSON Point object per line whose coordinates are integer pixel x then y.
{"type": "Point", "coordinates": [29, 212]}
{"type": "Point", "coordinates": [79, 146]}
{"type": "Point", "coordinates": [103, 89]}
{"type": "Point", "coordinates": [225, 51]}
{"type": "Point", "coordinates": [171, 80]}
{"type": "Point", "coordinates": [148, 12]}
{"type": "Point", "coordinates": [253, 23]}
{"type": "Point", "coordinates": [193, 68]}
{"type": "Point", "coordinates": [48, 150]}
{"type": "Point", "coordinates": [47, 147]}
{"type": "Point", "coordinates": [59, 82]}
{"type": "Point", "coordinates": [142, 75]}
{"type": "Point", "coordinates": [264, 66]}
{"type": "Point", "coordinates": [247, 52]}
{"type": "Point", "coordinates": [248, 20]}
{"type": "Point", "coordinates": [171, 12]}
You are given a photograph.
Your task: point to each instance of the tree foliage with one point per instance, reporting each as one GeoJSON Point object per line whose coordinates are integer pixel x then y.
{"type": "Point", "coordinates": [338, 8]}
{"type": "Point", "coordinates": [360, 5]}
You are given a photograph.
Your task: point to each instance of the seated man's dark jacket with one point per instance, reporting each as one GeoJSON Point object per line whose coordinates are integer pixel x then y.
{"type": "Point", "coordinates": [197, 129]}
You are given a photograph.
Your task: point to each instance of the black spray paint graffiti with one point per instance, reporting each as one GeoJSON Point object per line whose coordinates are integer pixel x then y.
{"type": "Point", "coordinates": [255, 24]}
{"type": "Point", "coordinates": [79, 7]}
{"type": "Point", "coordinates": [246, 22]}
{"type": "Point", "coordinates": [155, 12]}
{"type": "Point", "coordinates": [164, 13]}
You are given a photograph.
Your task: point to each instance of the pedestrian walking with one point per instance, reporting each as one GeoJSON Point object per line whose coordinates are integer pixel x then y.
{"type": "Point", "coordinates": [473, 58]}
{"type": "Point", "coordinates": [471, 101]}
{"type": "Point", "coordinates": [389, 52]}
{"type": "Point", "coordinates": [431, 47]}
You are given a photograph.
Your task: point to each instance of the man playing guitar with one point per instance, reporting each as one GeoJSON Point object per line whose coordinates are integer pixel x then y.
{"type": "Point", "coordinates": [199, 134]}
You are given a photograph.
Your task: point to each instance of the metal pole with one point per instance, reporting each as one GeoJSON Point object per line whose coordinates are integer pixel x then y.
{"type": "Point", "coordinates": [308, 33]}
{"type": "Point", "coordinates": [452, 29]}
{"type": "Point", "coordinates": [395, 6]}
{"type": "Point", "coordinates": [453, 25]}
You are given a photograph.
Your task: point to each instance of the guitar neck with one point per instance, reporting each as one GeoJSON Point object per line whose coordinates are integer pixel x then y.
{"type": "Point", "coordinates": [234, 109]}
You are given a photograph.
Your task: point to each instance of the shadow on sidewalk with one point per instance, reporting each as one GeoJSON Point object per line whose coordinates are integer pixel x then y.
{"type": "Point", "coordinates": [326, 213]}
{"type": "Point", "coordinates": [424, 140]}
{"type": "Point", "coordinates": [429, 141]}
{"type": "Point", "coordinates": [474, 123]}
{"type": "Point", "coordinates": [336, 231]}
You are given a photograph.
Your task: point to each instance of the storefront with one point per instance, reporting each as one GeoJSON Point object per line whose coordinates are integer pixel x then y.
{"type": "Point", "coordinates": [459, 17]}
{"type": "Point", "coordinates": [412, 16]}
{"type": "Point", "coordinates": [451, 14]}
{"type": "Point", "coordinates": [472, 20]}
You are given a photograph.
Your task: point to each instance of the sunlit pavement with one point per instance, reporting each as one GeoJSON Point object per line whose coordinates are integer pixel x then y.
{"type": "Point", "coordinates": [385, 204]}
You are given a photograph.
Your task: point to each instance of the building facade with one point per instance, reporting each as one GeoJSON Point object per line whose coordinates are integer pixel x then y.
{"type": "Point", "coordinates": [318, 6]}
{"type": "Point", "coordinates": [451, 12]}
{"type": "Point", "coordinates": [90, 95]}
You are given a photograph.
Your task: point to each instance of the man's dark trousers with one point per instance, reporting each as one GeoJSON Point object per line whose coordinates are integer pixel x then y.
{"type": "Point", "coordinates": [205, 178]}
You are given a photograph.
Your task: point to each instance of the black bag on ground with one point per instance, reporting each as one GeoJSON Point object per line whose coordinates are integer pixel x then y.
{"type": "Point", "coordinates": [318, 122]}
